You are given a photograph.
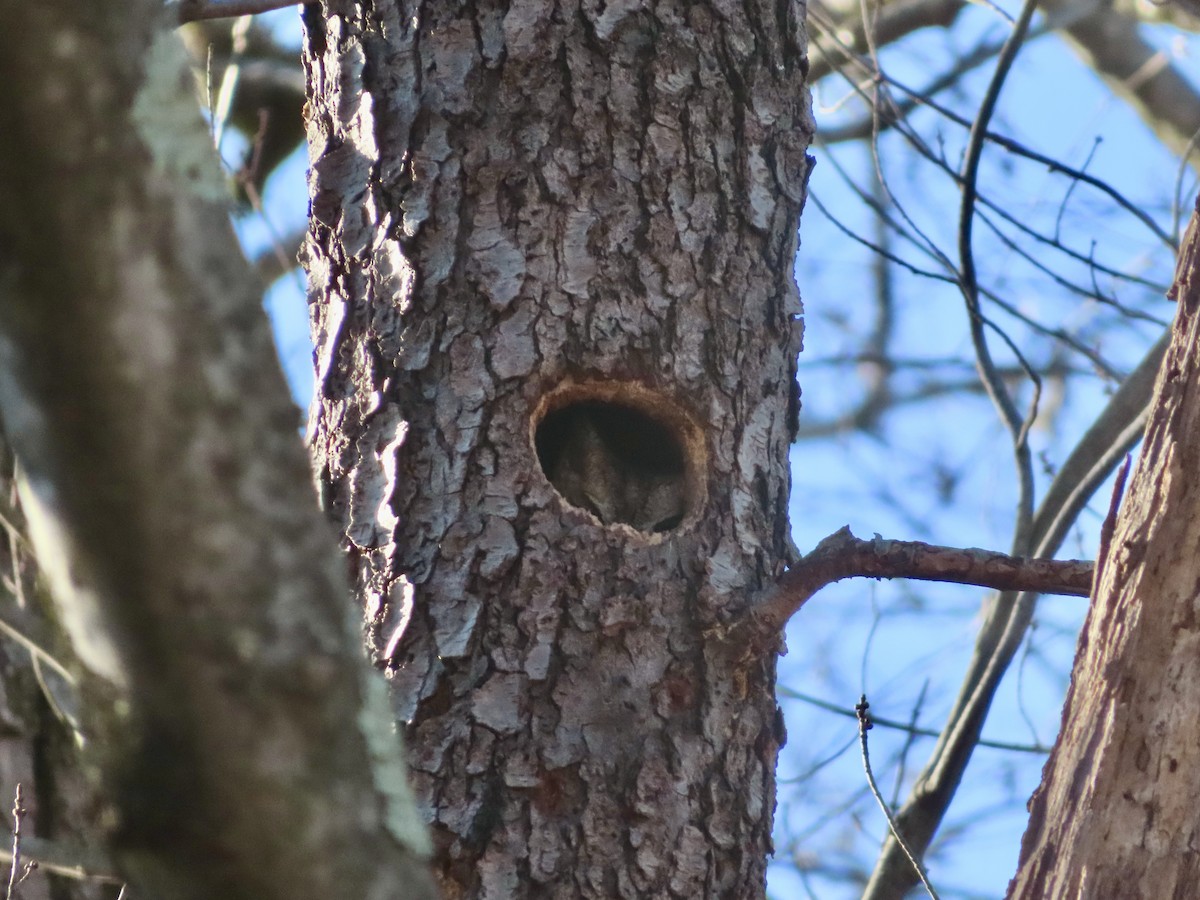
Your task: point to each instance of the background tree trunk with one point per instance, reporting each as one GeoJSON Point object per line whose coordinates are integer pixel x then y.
{"type": "Point", "coordinates": [523, 221]}
{"type": "Point", "coordinates": [243, 747]}
{"type": "Point", "coordinates": [1115, 815]}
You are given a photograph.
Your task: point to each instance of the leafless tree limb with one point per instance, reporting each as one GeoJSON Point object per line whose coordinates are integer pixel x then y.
{"type": "Point", "coordinates": [76, 863]}
{"type": "Point", "coordinates": [842, 555]}
{"type": "Point", "coordinates": [1017, 425]}
{"type": "Point", "coordinates": [1106, 36]}
{"type": "Point", "coordinates": [864, 725]}
{"type": "Point", "coordinates": [950, 273]}
{"type": "Point", "coordinates": [1111, 44]}
{"type": "Point", "coordinates": [893, 22]}
{"type": "Point", "coordinates": [907, 727]}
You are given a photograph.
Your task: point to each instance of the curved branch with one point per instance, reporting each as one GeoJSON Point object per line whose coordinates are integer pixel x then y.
{"type": "Point", "coordinates": [842, 555]}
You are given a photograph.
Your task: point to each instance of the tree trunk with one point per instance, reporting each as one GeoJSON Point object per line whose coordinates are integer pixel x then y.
{"type": "Point", "coordinates": [244, 748]}
{"type": "Point", "coordinates": [1115, 815]}
{"type": "Point", "coordinates": [551, 273]}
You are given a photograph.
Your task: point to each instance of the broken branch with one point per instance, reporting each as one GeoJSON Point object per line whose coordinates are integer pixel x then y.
{"type": "Point", "coordinates": [842, 555]}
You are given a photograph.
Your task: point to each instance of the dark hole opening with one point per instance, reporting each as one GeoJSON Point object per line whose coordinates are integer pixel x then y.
{"type": "Point", "coordinates": [617, 462]}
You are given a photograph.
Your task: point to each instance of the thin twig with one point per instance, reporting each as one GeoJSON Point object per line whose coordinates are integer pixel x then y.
{"type": "Point", "coordinates": [954, 278]}
{"type": "Point", "coordinates": [861, 129]}
{"type": "Point", "coordinates": [1090, 294]}
{"type": "Point", "coordinates": [910, 739]}
{"type": "Point", "coordinates": [1062, 207]}
{"type": "Point", "coordinates": [896, 725]}
{"type": "Point", "coordinates": [36, 651]}
{"type": "Point", "coordinates": [864, 725]}
{"type": "Point", "coordinates": [1017, 426]}
{"type": "Point", "coordinates": [76, 863]}
{"type": "Point", "coordinates": [1010, 144]}
{"type": "Point", "coordinates": [1017, 148]}
{"type": "Point", "coordinates": [18, 813]}
{"type": "Point", "coordinates": [230, 78]}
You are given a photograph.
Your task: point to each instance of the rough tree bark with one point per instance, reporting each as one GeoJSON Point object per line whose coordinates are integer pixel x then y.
{"type": "Point", "coordinates": [244, 749]}
{"type": "Point", "coordinates": [525, 215]}
{"type": "Point", "coordinates": [1115, 815]}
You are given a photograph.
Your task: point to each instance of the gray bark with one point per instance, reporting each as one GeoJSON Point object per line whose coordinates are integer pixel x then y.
{"type": "Point", "coordinates": [238, 735]}
{"type": "Point", "coordinates": [1115, 815]}
{"type": "Point", "coordinates": [518, 209]}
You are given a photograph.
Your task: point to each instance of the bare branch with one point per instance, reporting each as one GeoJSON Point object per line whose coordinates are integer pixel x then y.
{"type": "Point", "coordinates": [1062, 19]}
{"type": "Point", "coordinates": [76, 863]}
{"type": "Point", "coordinates": [1002, 399]}
{"type": "Point", "coordinates": [893, 22]}
{"type": "Point", "coordinates": [906, 727]}
{"type": "Point", "coordinates": [19, 811]}
{"type": "Point", "coordinates": [864, 725]}
{"type": "Point", "coordinates": [1143, 76]}
{"type": "Point", "coordinates": [842, 555]}
{"type": "Point", "coordinates": [888, 114]}
{"type": "Point", "coordinates": [925, 246]}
